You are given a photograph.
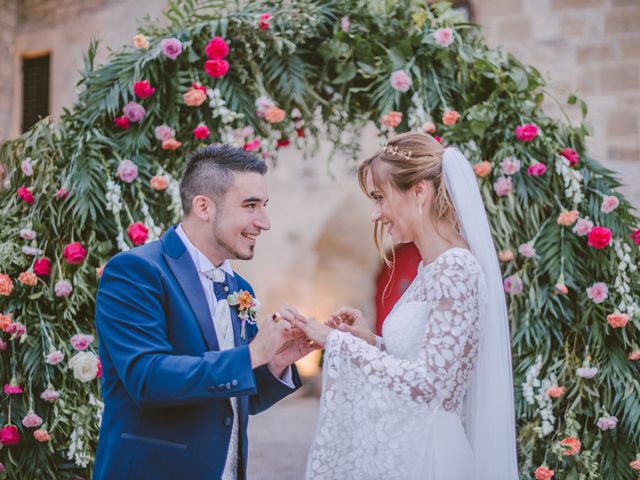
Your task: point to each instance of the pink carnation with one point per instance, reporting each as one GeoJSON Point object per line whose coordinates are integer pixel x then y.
{"type": "Point", "coordinates": [527, 250]}
{"type": "Point", "coordinates": [555, 392]}
{"type": "Point", "coordinates": [63, 288]}
{"type": "Point", "coordinates": [55, 357]}
{"type": "Point", "coordinates": [537, 169]}
{"type": "Point", "coordinates": [164, 132]}
{"type": "Point", "coordinates": [61, 193]}
{"type": "Point", "coordinates": [503, 186]}
{"type": "Point", "coordinates": [25, 195]}
{"type": "Point", "coordinates": [134, 112]}
{"type": "Point", "coordinates": [252, 146]}
{"type": "Point", "coordinates": [598, 292]}
{"type": "Point", "coordinates": [609, 204]}
{"type": "Point", "coordinates": [26, 167]}
{"type": "Point", "coordinates": [443, 36]}
{"type": "Point", "coordinates": [201, 131]}
{"type": "Point", "coordinates": [607, 423]}
{"type": "Point", "coordinates": [127, 171]}
{"type": "Point", "coordinates": [81, 341]}
{"type": "Point", "coordinates": [635, 465]}
{"type": "Point", "coordinates": [510, 166]}
{"type": "Point", "coordinates": [216, 68]}
{"type": "Point", "coordinates": [27, 234]}
{"type": "Point", "coordinates": [31, 420]}
{"type": "Point", "coordinates": [401, 81]}
{"type": "Point", "coordinates": [12, 389]}
{"type": "Point", "coordinates": [526, 132]}
{"type": "Point", "coordinates": [599, 237]}
{"type": "Point", "coordinates": [513, 285]}
{"type": "Point", "coordinates": [586, 372]}
{"type": "Point", "coordinates": [571, 155]}
{"type": "Point", "coordinates": [171, 47]}
{"type": "Point", "coordinates": [16, 329]}
{"type": "Point", "coordinates": [265, 21]}
{"type": "Point", "coordinates": [543, 473]}
{"type": "Point", "coordinates": [345, 24]}
{"type": "Point", "coordinates": [50, 395]}
{"type": "Point", "coordinates": [583, 227]}
{"type": "Point", "coordinates": [635, 236]}
{"type": "Point", "coordinates": [217, 48]}
{"type": "Point", "coordinates": [263, 105]}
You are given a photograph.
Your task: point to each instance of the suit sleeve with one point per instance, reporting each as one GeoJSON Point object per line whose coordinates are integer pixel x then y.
{"type": "Point", "coordinates": [132, 329]}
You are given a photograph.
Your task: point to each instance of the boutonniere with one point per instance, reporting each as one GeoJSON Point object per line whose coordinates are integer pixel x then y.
{"type": "Point", "coordinates": [247, 306]}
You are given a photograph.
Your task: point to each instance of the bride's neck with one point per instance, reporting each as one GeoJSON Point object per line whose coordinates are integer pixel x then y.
{"type": "Point", "coordinates": [432, 241]}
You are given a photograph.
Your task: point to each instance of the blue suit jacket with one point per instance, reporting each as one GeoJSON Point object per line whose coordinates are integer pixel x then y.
{"type": "Point", "coordinates": [165, 384]}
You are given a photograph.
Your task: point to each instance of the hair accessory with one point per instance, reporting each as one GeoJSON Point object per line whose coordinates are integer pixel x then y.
{"type": "Point", "coordinates": [394, 150]}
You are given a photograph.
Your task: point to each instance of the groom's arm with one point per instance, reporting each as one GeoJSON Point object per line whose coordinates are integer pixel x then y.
{"type": "Point", "coordinates": [132, 328]}
{"type": "Point", "coordinates": [271, 389]}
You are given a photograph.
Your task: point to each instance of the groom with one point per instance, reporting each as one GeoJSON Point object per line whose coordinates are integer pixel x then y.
{"type": "Point", "coordinates": [182, 368]}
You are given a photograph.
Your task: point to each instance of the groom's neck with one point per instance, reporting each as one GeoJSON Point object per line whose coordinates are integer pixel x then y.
{"type": "Point", "coordinates": [202, 238]}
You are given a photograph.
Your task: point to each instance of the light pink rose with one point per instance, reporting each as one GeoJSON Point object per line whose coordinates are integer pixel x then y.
{"type": "Point", "coordinates": [50, 395]}
{"type": "Point", "coordinates": [27, 234]}
{"type": "Point", "coordinates": [583, 227]}
{"type": "Point", "coordinates": [609, 204]}
{"type": "Point", "coordinates": [134, 112]}
{"type": "Point", "coordinates": [598, 292]}
{"type": "Point", "coordinates": [401, 81]}
{"type": "Point", "coordinates": [242, 133]}
{"type": "Point", "coordinates": [345, 24]}
{"type": "Point", "coordinates": [527, 250]}
{"type": "Point", "coordinates": [32, 251]}
{"type": "Point", "coordinates": [171, 47]}
{"type": "Point", "coordinates": [55, 357]}
{"type": "Point", "coordinates": [555, 391]}
{"type": "Point", "coordinates": [26, 167]}
{"type": "Point", "coordinates": [607, 423]}
{"type": "Point", "coordinates": [164, 132]}
{"type": "Point", "coordinates": [263, 105]}
{"type": "Point", "coordinates": [586, 372]}
{"type": "Point", "coordinates": [503, 186]}
{"type": "Point", "coordinates": [127, 171]}
{"type": "Point", "coordinates": [63, 288]}
{"type": "Point", "coordinates": [513, 285]}
{"type": "Point", "coordinates": [443, 36]}
{"type": "Point", "coordinates": [510, 166]}
{"type": "Point", "coordinates": [31, 420]}
{"type": "Point", "coordinates": [81, 341]}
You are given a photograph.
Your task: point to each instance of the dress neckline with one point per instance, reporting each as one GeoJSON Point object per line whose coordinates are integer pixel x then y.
{"type": "Point", "coordinates": [422, 266]}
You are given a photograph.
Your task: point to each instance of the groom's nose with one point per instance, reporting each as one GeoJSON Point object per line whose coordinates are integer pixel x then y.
{"type": "Point", "coordinates": [262, 221]}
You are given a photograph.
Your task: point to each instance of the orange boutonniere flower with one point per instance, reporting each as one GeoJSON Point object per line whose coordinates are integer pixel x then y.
{"type": "Point", "coordinates": [247, 307]}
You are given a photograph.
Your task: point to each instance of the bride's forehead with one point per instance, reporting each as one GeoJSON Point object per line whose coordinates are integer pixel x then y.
{"type": "Point", "coordinates": [378, 175]}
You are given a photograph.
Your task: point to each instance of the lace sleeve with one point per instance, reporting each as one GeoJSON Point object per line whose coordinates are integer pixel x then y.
{"type": "Point", "coordinates": [449, 296]}
{"type": "Point", "coordinates": [380, 344]}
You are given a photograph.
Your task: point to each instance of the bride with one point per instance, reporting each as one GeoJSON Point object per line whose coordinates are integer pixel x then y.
{"type": "Point", "coordinates": [433, 397]}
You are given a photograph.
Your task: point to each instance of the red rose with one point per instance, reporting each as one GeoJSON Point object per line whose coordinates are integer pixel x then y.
{"type": "Point", "coordinates": [142, 89]}
{"type": "Point", "coordinates": [138, 233]}
{"type": "Point", "coordinates": [437, 138]}
{"type": "Point", "coordinates": [121, 122]}
{"type": "Point", "coordinates": [571, 155]}
{"type": "Point", "coordinates": [42, 266]}
{"type": "Point", "coordinates": [216, 68]}
{"type": "Point", "coordinates": [635, 236]}
{"type": "Point", "coordinates": [599, 237]}
{"type": "Point", "coordinates": [300, 132]}
{"type": "Point", "coordinates": [217, 48]}
{"type": "Point", "coordinates": [265, 21]}
{"type": "Point", "coordinates": [283, 142]}
{"type": "Point", "coordinates": [25, 195]}
{"type": "Point", "coordinates": [74, 253]}
{"type": "Point", "coordinates": [9, 435]}
{"type": "Point", "coordinates": [526, 132]}
{"type": "Point", "coordinates": [201, 131]}
{"type": "Point", "coordinates": [197, 86]}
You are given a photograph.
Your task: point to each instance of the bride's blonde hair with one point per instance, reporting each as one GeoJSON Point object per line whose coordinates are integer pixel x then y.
{"type": "Point", "coordinates": [409, 158]}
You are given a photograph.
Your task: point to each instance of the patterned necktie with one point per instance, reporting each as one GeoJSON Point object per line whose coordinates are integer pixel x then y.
{"type": "Point", "coordinates": [221, 315]}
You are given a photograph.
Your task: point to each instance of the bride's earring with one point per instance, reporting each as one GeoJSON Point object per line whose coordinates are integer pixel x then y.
{"type": "Point", "coordinates": [420, 209]}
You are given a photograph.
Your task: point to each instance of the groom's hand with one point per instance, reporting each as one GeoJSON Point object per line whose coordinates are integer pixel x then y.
{"type": "Point", "coordinates": [271, 337]}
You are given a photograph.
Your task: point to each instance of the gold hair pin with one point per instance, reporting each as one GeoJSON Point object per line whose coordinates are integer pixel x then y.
{"type": "Point", "coordinates": [394, 150]}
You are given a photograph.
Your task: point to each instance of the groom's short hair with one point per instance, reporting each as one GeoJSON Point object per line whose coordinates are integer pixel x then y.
{"type": "Point", "coordinates": [209, 171]}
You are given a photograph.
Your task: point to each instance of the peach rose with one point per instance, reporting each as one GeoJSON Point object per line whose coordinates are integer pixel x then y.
{"type": "Point", "coordinates": [429, 127]}
{"type": "Point", "coordinates": [617, 320]}
{"type": "Point", "coordinates": [635, 465]}
{"type": "Point", "coordinates": [568, 218]}
{"type": "Point", "coordinates": [275, 115]}
{"type": "Point", "coordinates": [555, 392]}
{"type": "Point", "coordinates": [543, 473]}
{"type": "Point", "coordinates": [6, 284]}
{"type": "Point", "coordinates": [171, 144]}
{"type": "Point", "coordinates": [450, 117]}
{"type": "Point", "coordinates": [140, 42]}
{"type": "Point", "coordinates": [561, 289]}
{"type": "Point", "coordinates": [392, 119]}
{"type": "Point", "coordinates": [41, 435]}
{"type": "Point", "coordinates": [5, 321]}
{"type": "Point", "coordinates": [28, 278]}
{"type": "Point", "coordinates": [505, 256]}
{"type": "Point", "coordinates": [572, 446]}
{"type": "Point", "coordinates": [634, 355]}
{"type": "Point", "coordinates": [194, 97]}
{"type": "Point", "coordinates": [159, 183]}
{"type": "Point", "coordinates": [482, 169]}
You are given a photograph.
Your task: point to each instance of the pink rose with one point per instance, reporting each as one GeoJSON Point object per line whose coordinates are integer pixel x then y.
{"type": "Point", "coordinates": [586, 372]}
{"type": "Point", "coordinates": [505, 256]}
{"type": "Point", "coordinates": [171, 47]}
{"type": "Point", "coordinates": [42, 435]}
{"type": "Point", "coordinates": [171, 144]}
{"type": "Point", "coordinates": [27, 234]}
{"type": "Point", "coordinates": [543, 473]}
{"type": "Point", "coordinates": [252, 146]}
{"type": "Point", "coordinates": [216, 68]}
{"type": "Point", "coordinates": [510, 166]}
{"type": "Point", "coordinates": [138, 233]}
{"type": "Point", "coordinates": [164, 132]}
{"type": "Point", "coordinates": [513, 285]}
{"type": "Point", "coordinates": [81, 341]}
{"type": "Point", "coordinates": [159, 183]}
{"type": "Point", "coordinates": [537, 169]}
{"type": "Point", "coordinates": [265, 21]}
{"type": "Point", "coordinates": [63, 288]}
{"type": "Point", "coordinates": [401, 81]}
{"type": "Point", "coordinates": [599, 237]}
{"type": "Point", "coordinates": [555, 392]}
{"type": "Point", "coordinates": [195, 96]}
{"type": "Point", "coordinates": [201, 131]}
{"type": "Point", "coordinates": [42, 266]}
{"type": "Point", "coordinates": [74, 253]}
{"type": "Point", "coordinates": [31, 420]}
{"type": "Point", "coordinates": [450, 117]}
{"type": "Point", "coordinates": [25, 195]}
{"type": "Point", "coordinates": [443, 36]}
{"type": "Point", "coordinates": [143, 89]}
{"type": "Point", "coordinates": [50, 395]}
{"type": "Point", "coordinates": [635, 236]}
{"type": "Point", "coordinates": [583, 227]}
{"type": "Point", "coordinates": [345, 24]}
{"type": "Point", "coordinates": [61, 193]}
{"type": "Point", "coordinates": [618, 320]}
{"type": "Point", "coordinates": [634, 355]}
{"type": "Point", "coordinates": [526, 132]}
{"type": "Point", "coordinates": [607, 423]}
{"type": "Point", "coordinates": [527, 250]}
{"type": "Point", "coordinates": [263, 105]}
{"type": "Point", "coordinates": [217, 48]}
{"type": "Point", "coordinates": [609, 204]}
{"type": "Point", "coordinates": [55, 357]}
{"type": "Point", "coordinates": [134, 112]}
{"type": "Point", "coordinates": [391, 119]}
{"type": "Point", "coordinates": [571, 155]}
{"type": "Point", "coordinates": [598, 292]}
{"type": "Point", "coordinates": [26, 167]}
{"type": "Point", "coordinates": [127, 171]}
{"type": "Point", "coordinates": [503, 186]}
{"type": "Point", "coordinates": [121, 122]}
{"type": "Point", "coordinates": [12, 389]}
{"type": "Point", "coordinates": [9, 435]}
{"type": "Point", "coordinates": [635, 465]}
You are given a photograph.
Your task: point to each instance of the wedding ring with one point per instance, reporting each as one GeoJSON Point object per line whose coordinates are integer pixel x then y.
{"type": "Point", "coordinates": [276, 317]}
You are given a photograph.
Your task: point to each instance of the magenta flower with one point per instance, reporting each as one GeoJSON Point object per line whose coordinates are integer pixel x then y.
{"type": "Point", "coordinates": [526, 132]}
{"type": "Point", "coordinates": [31, 420]}
{"type": "Point", "coordinates": [537, 169]}
{"type": "Point", "coordinates": [81, 341]}
{"type": "Point", "coordinates": [55, 357]}
{"type": "Point", "coordinates": [171, 47]}
{"type": "Point", "coordinates": [513, 285]}
{"type": "Point", "coordinates": [12, 389]}
{"type": "Point", "coordinates": [50, 395]}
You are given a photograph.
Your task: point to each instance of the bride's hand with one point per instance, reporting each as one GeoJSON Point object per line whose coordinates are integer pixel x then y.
{"type": "Point", "coordinates": [349, 316]}
{"type": "Point", "coordinates": [313, 329]}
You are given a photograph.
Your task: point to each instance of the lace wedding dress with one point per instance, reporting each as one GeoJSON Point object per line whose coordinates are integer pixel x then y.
{"type": "Point", "coordinates": [393, 411]}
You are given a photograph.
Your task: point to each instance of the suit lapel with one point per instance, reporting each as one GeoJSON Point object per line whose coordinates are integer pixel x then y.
{"type": "Point", "coordinates": [180, 263]}
{"type": "Point", "coordinates": [235, 320]}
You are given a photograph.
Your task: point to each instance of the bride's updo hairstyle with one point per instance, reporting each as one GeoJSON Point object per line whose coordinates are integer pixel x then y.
{"type": "Point", "coordinates": [405, 160]}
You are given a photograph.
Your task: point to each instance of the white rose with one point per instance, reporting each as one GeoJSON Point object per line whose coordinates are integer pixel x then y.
{"type": "Point", "coordinates": [84, 365]}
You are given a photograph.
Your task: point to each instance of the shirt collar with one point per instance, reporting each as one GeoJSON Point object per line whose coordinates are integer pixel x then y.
{"type": "Point", "coordinates": [202, 263]}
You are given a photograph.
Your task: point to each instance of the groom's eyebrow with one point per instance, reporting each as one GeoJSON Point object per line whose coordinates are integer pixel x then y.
{"type": "Point", "coordinates": [255, 200]}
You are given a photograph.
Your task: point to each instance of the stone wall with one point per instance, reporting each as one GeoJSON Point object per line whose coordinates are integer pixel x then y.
{"type": "Point", "coordinates": [8, 25]}
{"type": "Point", "coordinates": [591, 47]}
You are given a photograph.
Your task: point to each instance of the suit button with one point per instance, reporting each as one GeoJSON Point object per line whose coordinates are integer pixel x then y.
{"type": "Point", "coordinates": [213, 389]}
{"type": "Point", "coordinates": [221, 387]}
{"type": "Point", "coordinates": [228, 421]}
{"type": "Point", "coordinates": [234, 382]}
{"type": "Point", "coordinates": [228, 385]}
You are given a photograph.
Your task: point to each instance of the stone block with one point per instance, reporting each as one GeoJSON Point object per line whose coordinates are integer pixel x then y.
{"type": "Point", "coordinates": [496, 7]}
{"type": "Point", "coordinates": [622, 122]}
{"type": "Point", "coordinates": [630, 47]}
{"type": "Point", "coordinates": [616, 78]}
{"type": "Point", "coordinates": [573, 27]}
{"type": "Point", "coordinates": [626, 153]}
{"type": "Point", "coordinates": [514, 29]}
{"type": "Point", "coordinates": [623, 20]}
{"type": "Point", "coordinates": [574, 4]}
{"type": "Point", "coordinates": [595, 53]}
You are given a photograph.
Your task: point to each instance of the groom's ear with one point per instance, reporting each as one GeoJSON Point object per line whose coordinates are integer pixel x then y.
{"type": "Point", "coordinates": [203, 207]}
